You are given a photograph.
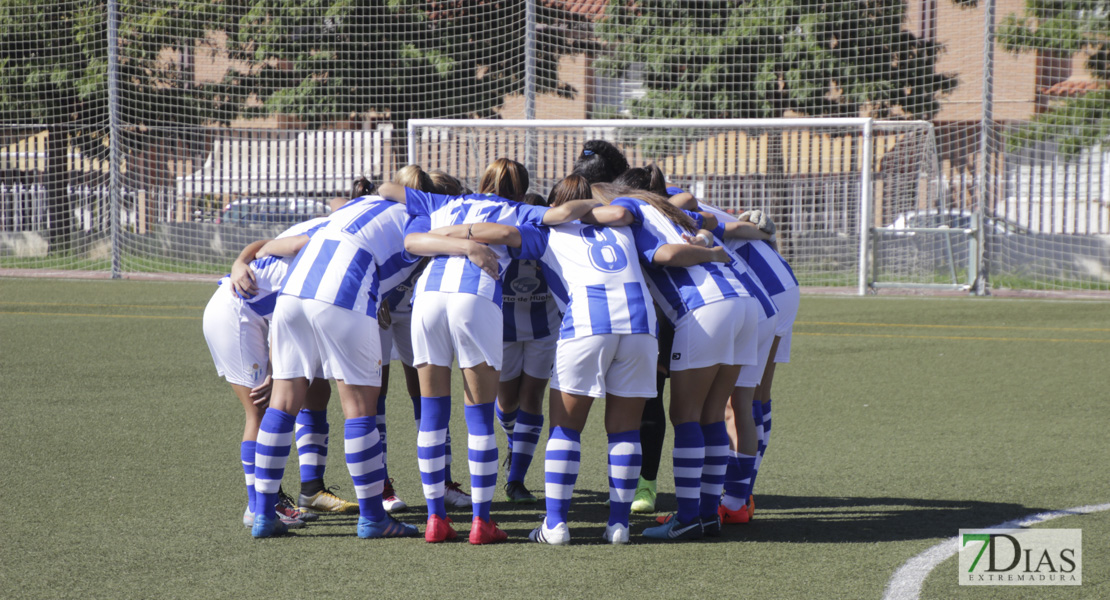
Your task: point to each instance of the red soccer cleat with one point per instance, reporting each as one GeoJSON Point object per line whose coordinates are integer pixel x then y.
{"type": "Point", "coordinates": [486, 532]}
{"type": "Point", "coordinates": [439, 530]}
{"type": "Point", "coordinates": [739, 515]}
{"type": "Point", "coordinates": [751, 507]}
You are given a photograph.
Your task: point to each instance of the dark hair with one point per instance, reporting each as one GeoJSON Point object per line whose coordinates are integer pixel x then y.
{"type": "Point", "coordinates": [648, 177]}
{"type": "Point", "coordinates": [446, 184]}
{"type": "Point", "coordinates": [535, 199]}
{"type": "Point", "coordinates": [607, 192]}
{"type": "Point", "coordinates": [600, 162]}
{"type": "Point", "coordinates": [572, 187]}
{"type": "Point", "coordinates": [362, 187]}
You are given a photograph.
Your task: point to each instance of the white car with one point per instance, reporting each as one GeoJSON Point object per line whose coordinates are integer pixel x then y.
{"type": "Point", "coordinates": [268, 211]}
{"type": "Point", "coordinates": [951, 218]}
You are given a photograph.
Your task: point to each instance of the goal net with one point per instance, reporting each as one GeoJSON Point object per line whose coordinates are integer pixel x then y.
{"type": "Point", "coordinates": [827, 183]}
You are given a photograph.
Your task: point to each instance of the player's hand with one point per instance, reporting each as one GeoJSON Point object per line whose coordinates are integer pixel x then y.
{"type": "Point", "coordinates": [701, 238]}
{"type": "Point", "coordinates": [485, 259]}
{"type": "Point", "coordinates": [243, 281]}
{"type": "Point", "coordinates": [384, 318]}
{"type": "Point", "coordinates": [719, 255]}
{"type": "Point", "coordinates": [261, 394]}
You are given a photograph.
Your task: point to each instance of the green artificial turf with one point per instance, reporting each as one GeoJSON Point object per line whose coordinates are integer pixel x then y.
{"type": "Point", "coordinates": [898, 422]}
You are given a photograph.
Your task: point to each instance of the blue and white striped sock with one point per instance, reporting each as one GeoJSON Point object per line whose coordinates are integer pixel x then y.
{"type": "Point", "coordinates": [448, 458]}
{"type": "Point", "coordinates": [312, 443]}
{"type": "Point", "coordinates": [561, 461]}
{"type": "Point", "coordinates": [482, 454]}
{"type": "Point", "coordinates": [271, 451]}
{"type": "Point", "coordinates": [363, 446]}
{"type": "Point", "coordinates": [246, 457]}
{"type": "Point", "coordinates": [526, 435]}
{"type": "Point", "coordinates": [379, 424]}
{"type": "Point", "coordinates": [738, 480]}
{"type": "Point", "coordinates": [625, 458]}
{"type": "Point", "coordinates": [761, 436]}
{"type": "Point", "coordinates": [688, 459]}
{"type": "Point", "coordinates": [713, 472]}
{"type": "Point", "coordinates": [508, 425]}
{"type": "Point", "coordinates": [431, 442]}
{"type": "Point", "coordinates": [766, 410]}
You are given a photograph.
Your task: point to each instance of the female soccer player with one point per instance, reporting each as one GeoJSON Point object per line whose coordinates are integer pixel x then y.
{"type": "Point", "coordinates": [325, 319]}
{"type": "Point", "coordinates": [714, 310]}
{"type": "Point", "coordinates": [456, 312]}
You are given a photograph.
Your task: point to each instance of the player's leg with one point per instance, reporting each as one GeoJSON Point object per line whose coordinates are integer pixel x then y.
{"type": "Point", "coordinates": [562, 459]}
{"type": "Point", "coordinates": [653, 425]}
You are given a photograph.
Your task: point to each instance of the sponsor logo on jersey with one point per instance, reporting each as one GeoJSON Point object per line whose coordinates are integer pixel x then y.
{"type": "Point", "coordinates": [523, 286]}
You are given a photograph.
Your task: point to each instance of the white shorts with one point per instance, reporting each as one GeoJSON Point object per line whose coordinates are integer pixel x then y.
{"type": "Point", "coordinates": [315, 339]}
{"type": "Point", "coordinates": [787, 302]}
{"type": "Point", "coordinates": [751, 375]}
{"type": "Point", "coordinates": [237, 339]}
{"type": "Point", "coordinates": [402, 337]}
{"type": "Point", "coordinates": [446, 325]}
{"type": "Point", "coordinates": [531, 357]}
{"type": "Point", "coordinates": [719, 333]}
{"type": "Point", "coordinates": [612, 363]}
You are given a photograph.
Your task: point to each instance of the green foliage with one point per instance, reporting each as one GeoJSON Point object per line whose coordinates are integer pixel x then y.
{"type": "Point", "coordinates": [1066, 27]}
{"type": "Point", "coordinates": [766, 58]}
{"type": "Point", "coordinates": [331, 60]}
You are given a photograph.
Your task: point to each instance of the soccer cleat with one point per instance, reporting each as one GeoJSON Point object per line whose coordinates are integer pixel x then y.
{"type": "Point", "coordinates": [751, 507]}
{"type": "Point", "coordinates": [485, 532]}
{"type": "Point", "coordinates": [287, 509]}
{"type": "Point", "coordinates": [390, 502]}
{"type": "Point", "coordinates": [248, 518]}
{"type": "Point", "coordinates": [454, 496]}
{"type": "Point", "coordinates": [386, 528]}
{"type": "Point", "coordinates": [325, 501]}
{"type": "Point", "coordinates": [616, 534]}
{"type": "Point", "coordinates": [711, 527]}
{"type": "Point", "coordinates": [644, 500]}
{"type": "Point", "coordinates": [439, 530]}
{"type": "Point", "coordinates": [265, 526]}
{"type": "Point", "coordinates": [732, 517]}
{"type": "Point", "coordinates": [673, 530]}
{"type": "Point", "coordinates": [558, 535]}
{"type": "Point", "coordinates": [516, 493]}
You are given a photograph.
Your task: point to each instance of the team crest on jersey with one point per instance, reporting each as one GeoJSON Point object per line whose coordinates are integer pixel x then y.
{"type": "Point", "coordinates": [255, 371]}
{"type": "Point", "coordinates": [523, 286]}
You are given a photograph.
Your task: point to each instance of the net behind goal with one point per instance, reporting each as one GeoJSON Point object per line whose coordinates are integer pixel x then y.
{"type": "Point", "coordinates": [821, 180]}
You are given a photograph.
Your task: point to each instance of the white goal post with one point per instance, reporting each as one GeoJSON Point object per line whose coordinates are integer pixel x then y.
{"type": "Point", "coordinates": [829, 183]}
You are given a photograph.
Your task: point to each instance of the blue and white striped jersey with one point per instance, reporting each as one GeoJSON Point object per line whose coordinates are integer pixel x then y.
{"type": "Point", "coordinates": [358, 255]}
{"type": "Point", "coordinates": [456, 274]}
{"type": "Point", "coordinates": [270, 271]}
{"type": "Point", "coordinates": [678, 290]}
{"type": "Point", "coordinates": [529, 311]}
{"type": "Point", "coordinates": [769, 267]}
{"type": "Point", "coordinates": [399, 298]}
{"type": "Point", "coordinates": [595, 277]}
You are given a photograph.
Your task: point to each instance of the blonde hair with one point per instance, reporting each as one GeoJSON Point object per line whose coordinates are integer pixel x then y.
{"type": "Point", "coordinates": [446, 184]}
{"type": "Point", "coordinates": [412, 176]}
{"type": "Point", "coordinates": [571, 187]}
{"type": "Point", "coordinates": [506, 178]}
{"type": "Point", "coordinates": [607, 192]}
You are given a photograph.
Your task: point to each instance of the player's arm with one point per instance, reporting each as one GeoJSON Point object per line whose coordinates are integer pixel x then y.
{"type": "Point", "coordinates": [608, 216]}
{"type": "Point", "coordinates": [688, 255]}
{"type": "Point", "coordinates": [685, 201]}
{"type": "Point", "coordinates": [568, 211]}
{"type": "Point", "coordinates": [286, 246]}
{"type": "Point", "coordinates": [485, 233]}
{"type": "Point", "coordinates": [392, 191]}
{"type": "Point", "coordinates": [431, 244]}
{"type": "Point", "coordinates": [742, 230]}
{"type": "Point", "coordinates": [243, 281]}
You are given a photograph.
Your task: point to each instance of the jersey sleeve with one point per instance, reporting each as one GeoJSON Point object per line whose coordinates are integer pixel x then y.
{"type": "Point", "coordinates": [530, 215]}
{"type": "Point", "coordinates": [418, 224]}
{"type": "Point", "coordinates": [631, 205]}
{"type": "Point", "coordinates": [423, 203]}
{"type": "Point", "coordinates": [674, 191]}
{"type": "Point", "coordinates": [533, 242]}
{"type": "Point", "coordinates": [699, 220]}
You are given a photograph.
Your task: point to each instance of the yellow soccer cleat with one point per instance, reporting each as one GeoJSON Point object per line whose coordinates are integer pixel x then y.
{"type": "Point", "coordinates": [325, 501]}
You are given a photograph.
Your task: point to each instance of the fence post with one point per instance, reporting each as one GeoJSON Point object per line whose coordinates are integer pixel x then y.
{"type": "Point", "coordinates": [115, 198]}
{"type": "Point", "coordinates": [866, 198]}
{"type": "Point", "coordinates": [531, 146]}
{"type": "Point", "coordinates": [984, 190]}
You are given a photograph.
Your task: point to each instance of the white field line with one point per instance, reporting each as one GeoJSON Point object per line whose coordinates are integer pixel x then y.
{"type": "Point", "coordinates": [909, 578]}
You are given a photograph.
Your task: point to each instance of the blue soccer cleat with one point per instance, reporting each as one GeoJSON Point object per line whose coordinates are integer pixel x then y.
{"type": "Point", "coordinates": [386, 528]}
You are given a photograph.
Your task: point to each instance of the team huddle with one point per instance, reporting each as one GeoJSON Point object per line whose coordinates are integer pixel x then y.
{"type": "Point", "coordinates": [604, 289]}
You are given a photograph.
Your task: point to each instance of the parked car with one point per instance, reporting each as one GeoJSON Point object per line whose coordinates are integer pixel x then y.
{"type": "Point", "coordinates": [953, 219]}
{"type": "Point", "coordinates": [269, 211]}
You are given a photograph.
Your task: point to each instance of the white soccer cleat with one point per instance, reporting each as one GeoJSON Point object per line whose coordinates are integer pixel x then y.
{"type": "Point", "coordinates": [616, 534]}
{"type": "Point", "coordinates": [558, 535]}
{"type": "Point", "coordinates": [454, 496]}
